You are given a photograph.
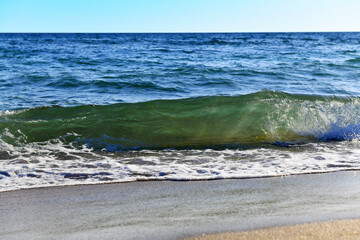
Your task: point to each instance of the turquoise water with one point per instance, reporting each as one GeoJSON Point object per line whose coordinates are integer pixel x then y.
{"type": "Point", "coordinates": [90, 108]}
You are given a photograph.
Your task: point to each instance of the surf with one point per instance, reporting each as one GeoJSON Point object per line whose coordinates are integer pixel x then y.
{"type": "Point", "coordinates": [264, 117]}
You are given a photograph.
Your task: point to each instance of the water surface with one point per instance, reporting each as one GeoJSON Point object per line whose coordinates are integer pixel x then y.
{"type": "Point", "coordinates": [91, 108]}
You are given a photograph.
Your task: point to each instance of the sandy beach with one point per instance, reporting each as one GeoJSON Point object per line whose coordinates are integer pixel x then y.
{"type": "Point", "coordinates": [177, 210]}
{"type": "Point", "coordinates": [341, 229]}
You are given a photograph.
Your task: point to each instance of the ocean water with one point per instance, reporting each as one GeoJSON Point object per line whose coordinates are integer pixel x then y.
{"type": "Point", "coordinates": [95, 108]}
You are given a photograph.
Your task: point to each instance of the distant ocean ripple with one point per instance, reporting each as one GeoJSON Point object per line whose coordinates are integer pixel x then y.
{"type": "Point", "coordinates": [92, 108]}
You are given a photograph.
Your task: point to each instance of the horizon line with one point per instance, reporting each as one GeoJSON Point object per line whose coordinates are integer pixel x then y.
{"type": "Point", "coordinates": [357, 31]}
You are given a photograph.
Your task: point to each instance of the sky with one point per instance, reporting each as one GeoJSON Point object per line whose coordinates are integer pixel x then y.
{"type": "Point", "coordinates": [179, 15]}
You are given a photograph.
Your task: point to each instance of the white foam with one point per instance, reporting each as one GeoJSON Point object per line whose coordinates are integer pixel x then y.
{"type": "Point", "coordinates": [55, 163]}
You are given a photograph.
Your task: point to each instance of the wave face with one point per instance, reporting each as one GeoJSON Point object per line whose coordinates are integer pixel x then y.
{"type": "Point", "coordinates": [262, 134]}
{"type": "Point", "coordinates": [266, 117]}
{"type": "Point", "coordinates": [95, 108]}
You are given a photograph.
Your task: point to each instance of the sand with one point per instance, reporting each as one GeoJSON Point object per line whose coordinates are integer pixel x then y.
{"type": "Point", "coordinates": [176, 210]}
{"type": "Point", "coordinates": [343, 229]}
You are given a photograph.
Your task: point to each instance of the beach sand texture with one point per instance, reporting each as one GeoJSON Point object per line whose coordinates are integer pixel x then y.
{"type": "Point", "coordinates": [342, 229]}
{"type": "Point", "coordinates": [177, 209]}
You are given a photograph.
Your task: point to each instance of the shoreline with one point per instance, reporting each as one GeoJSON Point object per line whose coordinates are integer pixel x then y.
{"type": "Point", "coordinates": [182, 180]}
{"type": "Point", "coordinates": [177, 209]}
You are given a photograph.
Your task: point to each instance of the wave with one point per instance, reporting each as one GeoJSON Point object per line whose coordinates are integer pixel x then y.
{"type": "Point", "coordinates": [70, 82]}
{"type": "Point", "coordinates": [257, 119]}
{"type": "Point", "coordinates": [354, 60]}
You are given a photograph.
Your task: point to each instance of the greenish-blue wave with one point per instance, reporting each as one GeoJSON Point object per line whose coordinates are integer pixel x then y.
{"type": "Point", "coordinates": [218, 121]}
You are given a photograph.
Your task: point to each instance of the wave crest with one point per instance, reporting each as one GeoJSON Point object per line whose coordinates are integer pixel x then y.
{"type": "Point", "coordinates": [206, 122]}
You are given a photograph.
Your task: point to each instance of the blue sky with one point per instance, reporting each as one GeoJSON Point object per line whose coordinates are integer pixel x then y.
{"type": "Point", "coordinates": [179, 15]}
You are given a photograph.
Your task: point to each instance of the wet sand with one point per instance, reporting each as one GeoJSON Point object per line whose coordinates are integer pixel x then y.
{"type": "Point", "coordinates": [176, 210]}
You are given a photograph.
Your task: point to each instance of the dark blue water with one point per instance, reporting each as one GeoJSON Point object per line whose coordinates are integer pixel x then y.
{"type": "Point", "coordinates": [79, 69]}
{"type": "Point", "coordinates": [95, 108]}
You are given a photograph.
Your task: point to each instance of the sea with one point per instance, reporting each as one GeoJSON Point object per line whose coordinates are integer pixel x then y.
{"type": "Point", "coordinates": [93, 108]}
